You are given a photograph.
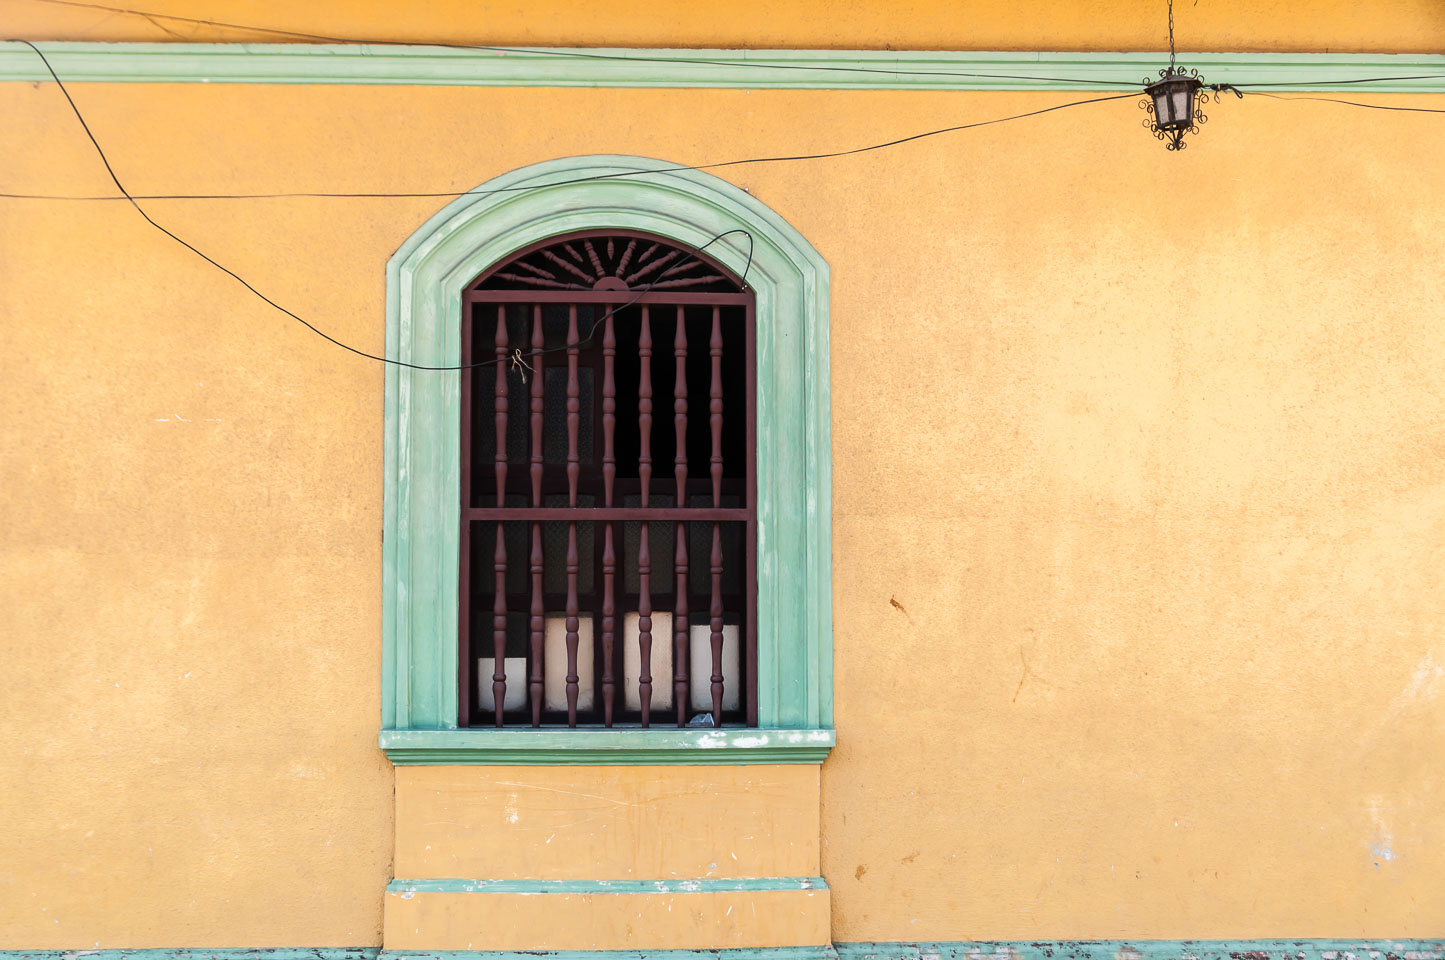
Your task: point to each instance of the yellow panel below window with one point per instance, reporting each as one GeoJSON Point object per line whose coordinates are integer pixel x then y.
{"type": "Point", "coordinates": [607, 823]}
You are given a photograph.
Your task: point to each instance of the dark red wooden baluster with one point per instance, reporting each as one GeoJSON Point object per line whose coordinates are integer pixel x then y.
{"type": "Point", "coordinates": [644, 625]}
{"type": "Point", "coordinates": [538, 342]}
{"type": "Point", "coordinates": [499, 560]}
{"type": "Point", "coordinates": [715, 406]}
{"type": "Point", "coordinates": [715, 419]}
{"type": "Point", "coordinates": [679, 615]}
{"type": "Point", "coordinates": [592, 256]}
{"type": "Point", "coordinates": [499, 627]}
{"type": "Point", "coordinates": [679, 408]}
{"type": "Point", "coordinates": [644, 549]}
{"type": "Point", "coordinates": [626, 256]}
{"type": "Point", "coordinates": [574, 406]}
{"type": "Point", "coordinates": [574, 422]}
{"type": "Point", "coordinates": [609, 409]}
{"type": "Point", "coordinates": [679, 626]}
{"type": "Point", "coordinates": [500, 342]}
{"type": "Point", "coordinates": [609, 623]}
{"type": "Point", "coordinates": [716, 613]}
{"type": "Point", "coordinates": [538, 624]}
{"type": "Point", "coordinates": [609, 475]}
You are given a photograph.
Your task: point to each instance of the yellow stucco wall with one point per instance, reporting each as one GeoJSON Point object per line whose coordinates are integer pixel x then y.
{"type": "Point", "coordinates": [1139, 497]}
{"type": "Point", "coordinates": [1336, 26]}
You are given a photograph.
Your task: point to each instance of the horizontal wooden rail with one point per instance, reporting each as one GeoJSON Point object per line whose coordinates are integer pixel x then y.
{"type": "Point", "coordinates": [687, 514]}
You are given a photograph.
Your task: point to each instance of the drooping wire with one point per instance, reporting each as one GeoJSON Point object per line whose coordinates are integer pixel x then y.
{"type": "Point", "coordinates": [516, 357]}
{"type": "Point", "coordinates": [568, 54]}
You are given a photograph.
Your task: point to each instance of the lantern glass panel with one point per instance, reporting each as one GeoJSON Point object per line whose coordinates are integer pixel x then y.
{"type": "Point", "coordinates": [1183, 97]}
{"type": "Point", "coordinates": [1162, 113]}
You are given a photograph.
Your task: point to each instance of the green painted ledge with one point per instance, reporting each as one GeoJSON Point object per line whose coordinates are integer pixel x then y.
{"type": "Point", "coordinates": [675, 885]}
{"type": "Point", "coordinates": [746, 69]}
{"type": "Point", "coordinates": [618, 746]}
{"type": "Point", "coordinates": [1304, 949]}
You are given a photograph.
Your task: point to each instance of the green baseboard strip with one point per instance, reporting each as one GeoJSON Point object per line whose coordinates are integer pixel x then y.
{"type": "Point", "coordinates": [1302, 949]}
{"type": "Point", "coordinates": [199, 953]}
{"type": "Point", "coordinates": [670, 885]}
{"type": "Point", "coordinates": [741, 953]}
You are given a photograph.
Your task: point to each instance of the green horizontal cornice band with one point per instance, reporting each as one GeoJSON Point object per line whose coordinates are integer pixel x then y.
{"type": "Point", "coordinates": [670, 885]}
{"type": "Point", "coordinates": [745, 69]}
{"type": "Point", "coordinates": [615, 747]}
{"type": "Point", "coordinates": [1302, 949]}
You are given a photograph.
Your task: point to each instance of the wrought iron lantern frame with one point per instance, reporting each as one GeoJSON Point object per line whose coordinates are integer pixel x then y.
{"type": "Point", "coordinates": [1175, 105]}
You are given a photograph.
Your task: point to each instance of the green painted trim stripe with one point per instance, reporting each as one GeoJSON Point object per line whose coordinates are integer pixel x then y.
{"type": "Point", "coordinates": [686, 885]}
{"type": "Point", "coordinates": [1305, 949]}
{"type": "Point", "coordinates": [618, 746]}
{"type": "Point", "coordinates": [296, 63]}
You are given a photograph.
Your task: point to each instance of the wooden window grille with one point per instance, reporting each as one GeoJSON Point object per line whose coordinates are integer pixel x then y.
{"type": "Point", "coordinates": [607, 549]}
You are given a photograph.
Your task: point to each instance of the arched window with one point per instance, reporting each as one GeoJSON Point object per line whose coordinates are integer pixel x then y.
{"type": "Point", "coordinates": [555, 243]}
{"type": "Point", "coordinates": [607, 525]}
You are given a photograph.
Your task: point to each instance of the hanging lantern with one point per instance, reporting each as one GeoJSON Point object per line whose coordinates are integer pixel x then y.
{"type": "Point", "coordinates": [1175, 103]}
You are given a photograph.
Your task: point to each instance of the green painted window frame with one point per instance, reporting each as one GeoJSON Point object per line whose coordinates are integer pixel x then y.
{"type": "Point", "coordinates": [425, 281]}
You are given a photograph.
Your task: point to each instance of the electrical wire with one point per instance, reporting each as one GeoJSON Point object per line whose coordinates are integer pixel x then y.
{"type": "Point", "coordinates": [132, 199]}
{"type": "Point", "coordinates": [587, 179]}
{"type": "Point", "coordinates": [1349, 103]}
{"type": "Point", "coordinates": [516, 357]}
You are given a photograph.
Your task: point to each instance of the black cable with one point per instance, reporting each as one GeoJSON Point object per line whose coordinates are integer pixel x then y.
{"type": "Point", "coordinates": [1321, 83]}
{"type": "Point", "coordinates": [1350, 103]}
{"type": "Point", "coordinates": [568, 54]}
{"type": "Point", "coordinates": [559, 183]}
{"type": "Point", "coordinates": [518, 355]}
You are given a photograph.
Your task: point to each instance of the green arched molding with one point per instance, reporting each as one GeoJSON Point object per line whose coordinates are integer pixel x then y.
{"type": "Point", "coordinates": [425, 282]}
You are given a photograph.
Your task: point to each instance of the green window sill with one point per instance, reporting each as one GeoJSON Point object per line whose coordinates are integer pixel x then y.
{"type": "Point", "coordinates": [614, 747]}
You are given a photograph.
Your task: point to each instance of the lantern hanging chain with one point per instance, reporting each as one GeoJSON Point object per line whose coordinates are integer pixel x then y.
{"type": "Point", "coordinates": [1171, 36]}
